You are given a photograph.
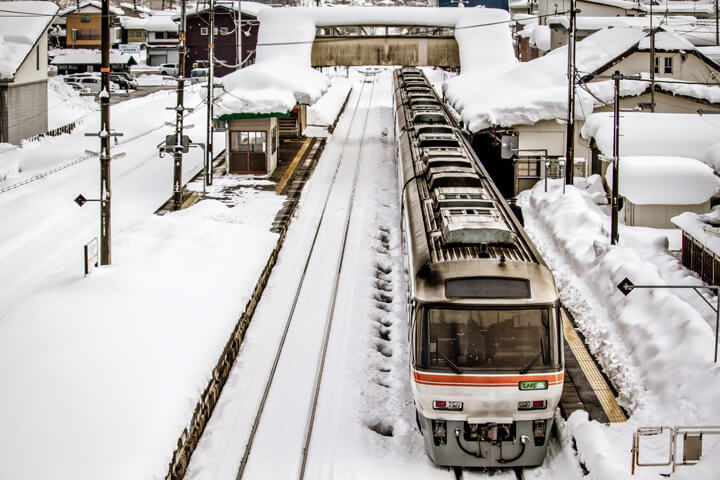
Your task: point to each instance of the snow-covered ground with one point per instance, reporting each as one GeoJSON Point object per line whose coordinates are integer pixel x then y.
{"type": "Point", "coordinates": [65, 105]}
{"type": "Point", "coordinates": [100, 374]}
{"type": "Point", "coordinates": [655, 345]}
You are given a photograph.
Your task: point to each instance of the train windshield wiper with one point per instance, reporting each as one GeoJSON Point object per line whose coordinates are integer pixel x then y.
{"type": "Point", "coordinates": [527, 367]}
{"type": "Point", "coordinates": [449, 362]}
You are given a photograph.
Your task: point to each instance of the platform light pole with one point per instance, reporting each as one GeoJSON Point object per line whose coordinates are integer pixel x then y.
{"type": "Point", "coordinates": [105, 190]}
{"type": "Point", "coordinates": [570, 131]}
{"type": "Point", "coordinates": [210, 96]}
{"type": "Point", "coordinates": [179, 112]}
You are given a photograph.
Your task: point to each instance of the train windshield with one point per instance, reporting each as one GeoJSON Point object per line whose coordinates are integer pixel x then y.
{"type": "Point", "coordinates": [520, 340]}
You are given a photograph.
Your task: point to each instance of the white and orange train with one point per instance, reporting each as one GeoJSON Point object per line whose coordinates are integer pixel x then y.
{"type": "Point", "coordinates": [486, 357]}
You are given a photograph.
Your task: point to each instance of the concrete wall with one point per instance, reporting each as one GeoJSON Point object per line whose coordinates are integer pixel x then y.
{"type": "Point", "coordinates": [658, 216]}
{"type": "Point", "coordinates": [24, 111]}
{"type": "Point", "coordinates": [385, 51]}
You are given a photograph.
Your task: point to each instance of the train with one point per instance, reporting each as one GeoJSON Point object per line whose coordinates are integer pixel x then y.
{"type": "Point", "coordinates": [485, 337]}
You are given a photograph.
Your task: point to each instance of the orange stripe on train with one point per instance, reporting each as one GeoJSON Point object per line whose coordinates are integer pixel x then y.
{"type": "Point", "coordinates": [484, 380]}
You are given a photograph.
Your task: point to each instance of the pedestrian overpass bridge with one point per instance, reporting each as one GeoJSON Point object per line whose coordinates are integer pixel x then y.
{"type": "Point", "coordinates": [410, 45]}
{"type": "Point", "coordinates": [469, 38]}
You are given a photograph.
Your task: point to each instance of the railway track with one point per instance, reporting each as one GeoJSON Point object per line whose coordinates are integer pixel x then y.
{"type": "Point", "coordinates": [256, 457]}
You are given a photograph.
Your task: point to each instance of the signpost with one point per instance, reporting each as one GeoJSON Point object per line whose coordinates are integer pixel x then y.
{"type": "Point", "coordinates": [627, 286]}
{"type": "Point", "coordinates": [91, 255]}
{"type": "Point", "coordinates": [130, 49]}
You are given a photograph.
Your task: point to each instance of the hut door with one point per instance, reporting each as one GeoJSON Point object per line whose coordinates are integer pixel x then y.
{"type": "Point", "coordinates": [248, 152]}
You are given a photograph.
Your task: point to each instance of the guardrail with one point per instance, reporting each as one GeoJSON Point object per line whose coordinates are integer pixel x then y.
{"type": "Point", "coordinates": [692, 438]}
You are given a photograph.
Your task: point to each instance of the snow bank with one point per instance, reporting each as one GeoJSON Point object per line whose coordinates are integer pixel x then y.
{"type": "Point", "coordinates": [326, 110]}
{"type": "Point", "coordinates": [286, 37]}
{"type": "Point", "coordinates": [19, 31]}
{"type": "Point", "coordinates": [118, 359]}
{"type": "Point", "coordinates": [660, 180]}
{"type": "Point", "coordinates": [656, 345]}
{"type": "Point", "coordinates": [663, 134]}
{"type": "Point", "coordinates": [65, 105]}
{"type": "Point", "coordinates": [9, 161]}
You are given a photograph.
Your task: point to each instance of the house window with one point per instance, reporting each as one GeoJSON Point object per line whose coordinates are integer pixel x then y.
{"type": "Point", "coordinates": [204, 31]}
{"type": "Point", "coordinates": [657, 64]}
{"type": "Point", "coordinates": [668, 65]}
{"type": "Point", "coordinates": [136, 34]}
{"type": "Point", "coordinates": [215, 31]}
{"type": "Point", "coordinates": [85, 19]}
{"type": "Point", "coordinates": [223, 31]}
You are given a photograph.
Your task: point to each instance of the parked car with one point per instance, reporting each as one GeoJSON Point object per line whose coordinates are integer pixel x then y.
{"type": "Point", "coordinates": [169, 69]}
{"type": "Point", "coordinates": [123, 82]}
{"type": "Point", "coordinates": [94, 84]}
{"type": "Point", "coordinates": [199, 75]}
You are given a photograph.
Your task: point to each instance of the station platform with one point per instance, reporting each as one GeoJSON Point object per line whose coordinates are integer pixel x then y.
{"type": "Point", "coordinates": [586, 387]}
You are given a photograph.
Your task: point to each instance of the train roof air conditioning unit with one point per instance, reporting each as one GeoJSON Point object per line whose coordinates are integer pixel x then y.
{"type": "Point", "coordinates": [474, 226]}
{"type": "Point", "coordinates": [454, 197]}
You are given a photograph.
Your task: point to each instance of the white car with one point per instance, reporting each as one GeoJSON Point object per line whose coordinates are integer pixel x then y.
{"type": "Point", "coordinates": [169, 69]}
{"type": "Point", "coordinates": [199, 75]}
{"type": "Point", "coordinates": [94, 84]}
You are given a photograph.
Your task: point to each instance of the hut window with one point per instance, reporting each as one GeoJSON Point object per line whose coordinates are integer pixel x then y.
{"type": "Point", "coordinates": [248, 141]}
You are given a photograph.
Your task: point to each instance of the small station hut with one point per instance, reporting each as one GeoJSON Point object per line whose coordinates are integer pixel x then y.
{"type": "Point", "coordinates": [252, 142]}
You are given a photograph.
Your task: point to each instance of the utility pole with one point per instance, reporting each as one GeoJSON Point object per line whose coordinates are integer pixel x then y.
{"type": "Point", "coordinates": [616, 160]}
{"type": "Point", "coordinates": [717, 27]}
{"type": "Point", "coordinates": [210, 96]}
{"type": "Point", "coordinates": [239, 36]}
{"type": "Point", "coordinates": [652, 61]}
{"type": "Point", "coordinates": [105, 191]}
{"type": "Point", "coordinates": [570, 132]}
{"type": "Point", "coordinates": [179, 113]}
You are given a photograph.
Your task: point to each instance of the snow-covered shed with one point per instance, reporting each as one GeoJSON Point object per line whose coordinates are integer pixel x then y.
{"type": "Point", "coordinates": [643, 133]}
{"type": "Point", "coordinates": [657, 188]}
{"type": "Point", "coordinates": [23, 68]}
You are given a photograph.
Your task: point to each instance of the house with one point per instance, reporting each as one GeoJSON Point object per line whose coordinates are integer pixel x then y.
{"type": "Point", "coordinates": [133, 30]}
{"type": "Point", "coordinates": [590, 8]}
{"type": "Point", "coordinates": [83, 25]}
{"type": "Point", "coordinates": [162, 39]}
{"type": "Point", "coordinates": [529, 101]}
{"type": "Point", "coordinates": [657, 188]}
{"type": "Point", "coordinates": [228, 38]}
{"type": "Point", "coordinates": [23, 69]}
{"type": "Point", "coordinates": [81, 61]}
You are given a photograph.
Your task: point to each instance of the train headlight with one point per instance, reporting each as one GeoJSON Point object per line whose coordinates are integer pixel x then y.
{"type": "Point", "coordinates": [533, 385]}
{"type": "Point", "coordinates": [532, 405]}
{"type": "Point", "coordinates": [447, 405]}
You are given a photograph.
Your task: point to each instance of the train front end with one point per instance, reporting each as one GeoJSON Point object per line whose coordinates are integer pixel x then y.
{"type": "Point", "coordinates": [487, 373]}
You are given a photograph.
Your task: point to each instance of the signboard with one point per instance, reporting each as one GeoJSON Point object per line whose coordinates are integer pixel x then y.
{"type": "Point", "coordinates": [91, 255]}
{"type": "Point", "coordinates": [130, 48]}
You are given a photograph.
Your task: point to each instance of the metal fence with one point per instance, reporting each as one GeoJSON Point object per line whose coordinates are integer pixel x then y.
{"type": "Point", "coordinates": [700, 259]}
{"type": "Point", "coordinates": [684, 445]}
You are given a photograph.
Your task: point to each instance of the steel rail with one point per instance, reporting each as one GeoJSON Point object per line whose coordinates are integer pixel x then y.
{"type": "Point", "coordinates": [288, 321]}
{"type": "Point", "coordinates": [336, 284]}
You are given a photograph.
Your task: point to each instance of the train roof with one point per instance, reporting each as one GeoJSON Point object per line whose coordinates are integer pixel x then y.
{"type": "Point", "coordinates": [459, 224]}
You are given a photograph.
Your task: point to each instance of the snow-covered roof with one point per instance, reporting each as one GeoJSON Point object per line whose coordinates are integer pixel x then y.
{"type": "Point", "coordinates": [89, 57]}
{"type": "Point", "coordinates": [247, 8]}
{"type": "Point", "coordinates": [665, 180]}
{"type": "Point", "coordinates": [704, 227]}
{"type": "Point", "coordinates": [133, 23]}
{"type": "Point", "coordinates": [21, 26]}
{"type": "Point", "coordinates": [161, 23]}
{"type": "Point", "coordinates": [679, 7]}
{"type": "Point", "coordinates": [135, 8]}
{"type": "Point", "coordinates": [286, 36]}
{"type": "Point", "coordinates": [666, 41]}
{"type": "Point", "coordinates": [644, 133]}
{"type": "Point", "coordinates": [90, 5]}
{"type": "Point", "coordinates": [598, 23]}
{"type": "Point", "coordinates": [537, 90]}
{"type": "Point", "coordinates": [624, 4]}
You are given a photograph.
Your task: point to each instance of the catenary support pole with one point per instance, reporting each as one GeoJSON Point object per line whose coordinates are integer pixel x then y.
{"type": "Point", "coordinates": [570, 132]}
{"type": "Point", "coordinates": [105, 190]}
{"type": "Point", "coordinates": [179, 112]}
{"type": "Point", "coordinates": [210, 97]}
{"type": "Point", "coordinates": [652, 61]}
{"type": "Point", "coordinates": [616, 160]}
